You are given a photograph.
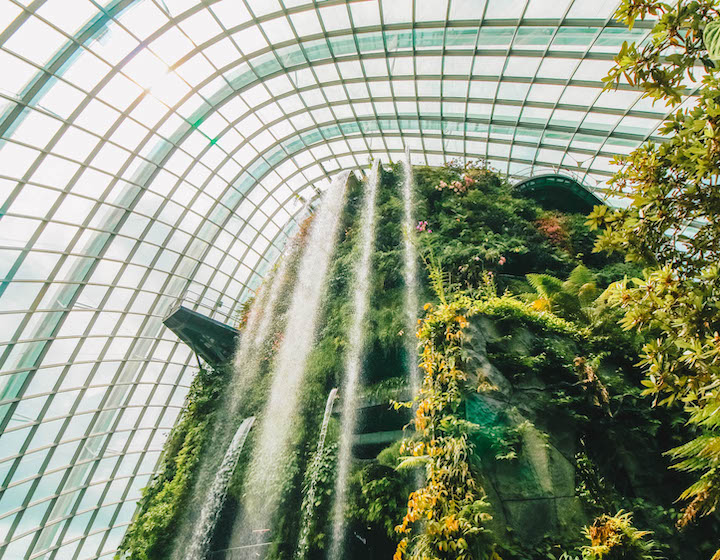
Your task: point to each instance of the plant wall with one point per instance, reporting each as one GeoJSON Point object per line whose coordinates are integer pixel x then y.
{"type": "Point", "coordinates": [524, 365]}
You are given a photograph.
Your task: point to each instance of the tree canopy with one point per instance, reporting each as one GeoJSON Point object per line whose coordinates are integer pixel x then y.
{"type": "Point", "coordinates": [671, 228]}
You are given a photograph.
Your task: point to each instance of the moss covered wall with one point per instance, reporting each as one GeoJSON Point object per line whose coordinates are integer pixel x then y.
{"type": "Point", "coordinates": [552, 452]}
{"type": "Point", "coordinates": [561, 433]}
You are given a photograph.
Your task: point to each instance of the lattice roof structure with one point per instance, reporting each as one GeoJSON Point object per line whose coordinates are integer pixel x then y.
{"type": "Point", "coordinates": [152, 150]}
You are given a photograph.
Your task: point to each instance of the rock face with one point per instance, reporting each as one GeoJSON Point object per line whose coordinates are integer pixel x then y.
{"type": "Point", "coordinates": [526, 458]}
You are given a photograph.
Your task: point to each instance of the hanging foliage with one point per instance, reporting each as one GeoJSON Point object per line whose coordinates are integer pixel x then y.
{"type": "Point", "coordinates": [671, 187]}
{"type": "Point", "coordinates": [446, 518]}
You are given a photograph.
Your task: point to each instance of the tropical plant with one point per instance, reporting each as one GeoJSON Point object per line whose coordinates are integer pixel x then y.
{"type": "Point", "coordinates": [377, 492]}
{"type": "Point", "coordinates": [660, 67]}
{"type": "Point", "coordinates": [485, 227]}
{"type": "Point", "coordinates": [613, 537]}
{"type": "Point", "coordinates": [571, 299]}
{"type": "Point", "coordinates": [700, 455]}
{"type": "Point", "coordinates": [671, 227]}
{"type": "Point", "coordinates": [592, 488]}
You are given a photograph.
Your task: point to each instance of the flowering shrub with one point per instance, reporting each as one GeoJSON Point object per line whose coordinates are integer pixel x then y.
{"type": "Point", "coordinates": [458, 187]}
{"type": "Point", "coordinates": [554, 228]}
{"type": "Point", "coordinates": [422, 226]}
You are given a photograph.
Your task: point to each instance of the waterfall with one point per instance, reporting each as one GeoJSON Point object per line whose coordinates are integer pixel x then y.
{"type": "Point", "coordinates": [244, 373]}
{"type": "Point", "coordinates": [216, 495]}
{"type": "Point", "coordinates": [246, 366]}
{"type": "Point", "coordinates": [278, 280]}
{"type": "Point", "coordinates": [410, 276]}
{"type": "Point", "coordinates": [411, 296]}
{"type": "Point", "coordinates": [353, 361]}
{"type": "Point", "coordinates": [315, 469]}
{"type": "Point", "coordinates": [275, 288]}
{"type": "Point", "coordinates": [260, 319]}
{"type": "Point", "coordinates": [267, 469]}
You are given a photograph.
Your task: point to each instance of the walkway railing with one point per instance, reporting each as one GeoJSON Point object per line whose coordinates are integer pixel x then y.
{"type": "Point", "coordinates": [218, 307]}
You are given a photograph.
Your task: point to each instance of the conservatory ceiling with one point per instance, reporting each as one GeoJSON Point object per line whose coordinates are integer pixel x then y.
{"type": "Point", "coordinates": [162, 150]}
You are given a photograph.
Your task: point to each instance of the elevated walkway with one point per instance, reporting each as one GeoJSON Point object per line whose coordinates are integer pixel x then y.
{"type": "Point", "coordinates": [559, 192]}
{"type": "Point", "coordinates": [379, 425]}
{"type": "Point", "coordinates": [213, 340]}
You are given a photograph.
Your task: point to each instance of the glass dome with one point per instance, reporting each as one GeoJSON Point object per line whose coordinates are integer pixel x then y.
{"type": "Point", "coordinates": [156, 150]}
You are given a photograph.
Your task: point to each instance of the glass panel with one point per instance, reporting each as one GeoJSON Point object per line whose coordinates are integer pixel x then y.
{"type": "Point", "coordinates": [176, 132]}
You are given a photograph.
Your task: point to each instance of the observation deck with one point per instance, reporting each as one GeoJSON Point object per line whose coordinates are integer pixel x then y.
{"type": "Point", "coordinates": [210, 338]}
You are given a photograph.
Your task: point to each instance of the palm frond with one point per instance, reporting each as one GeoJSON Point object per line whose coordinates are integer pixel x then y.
{"type": "Point", "coordinates": [545, 285]}
{"type": "Point", "coordinates": [412, 462]}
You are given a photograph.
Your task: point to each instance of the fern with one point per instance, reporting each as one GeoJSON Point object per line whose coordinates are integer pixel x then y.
{"type": "Point", "coordinates": [581, 283]}
{"type": "Point", "coordinates": [572, 299]}
{"type": "Point", "coordinates": [613, 537]}
{"type": "Point", "coordinates": [545, 285]}
{"type": "Point", "coordinates": [440, 280]}
{"type": "Point", "coordinates": [701, 454]}
{"type": "Point", "coordinates": [579, 276]}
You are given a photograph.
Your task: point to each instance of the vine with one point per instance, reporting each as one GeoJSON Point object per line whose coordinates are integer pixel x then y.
{"type": "Point", "coordinates": [163, 500]}
{"type": "Point", "coordinates": [446, 518]}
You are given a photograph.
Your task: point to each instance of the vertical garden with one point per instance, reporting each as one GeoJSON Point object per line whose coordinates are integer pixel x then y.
{"type": "Point", "coordinates": [568, 408]}
{"type": "Point", "coordinates": [530, 437]}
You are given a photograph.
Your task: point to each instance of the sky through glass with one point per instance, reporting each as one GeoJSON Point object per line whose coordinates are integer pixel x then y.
{"type": "Point", "coordinates": [152, 150]}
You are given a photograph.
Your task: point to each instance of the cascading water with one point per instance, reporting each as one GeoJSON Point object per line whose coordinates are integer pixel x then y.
{"type": "Point", "coordinates": [411, 297]}
{"type": "Point", "coordinates": [315, 469]}
{"type": "Point", "coordinates": [410, 276]}
{"type": "Point", "coordinates": [249, 342]}
{"type": "Point", "coordinates": [267, 469]}
{"type": "Point", "coordinates": [260, 319]}
{"type": "Point", "coordinates": [353, 361]}
{"type": "Point", "coordinates": [278, 280]}
{"type": "Point", "coordinates": [275, 288]}
{"type": "Point", "coordinates": [245, 369]}
{"type": "Point", "coordinates": [215, 500]}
